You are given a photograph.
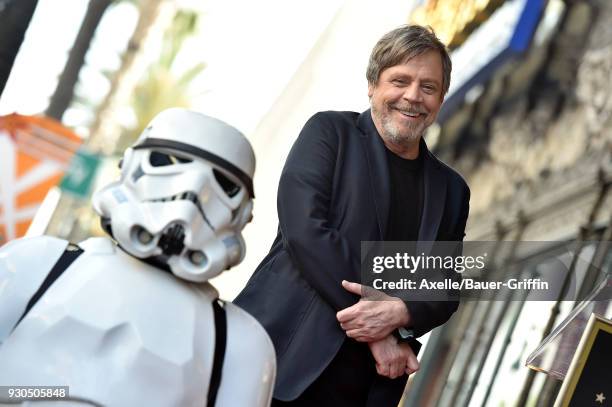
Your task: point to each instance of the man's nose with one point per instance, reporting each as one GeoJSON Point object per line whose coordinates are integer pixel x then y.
{"type": "Point", "coordinates": [413, 93]}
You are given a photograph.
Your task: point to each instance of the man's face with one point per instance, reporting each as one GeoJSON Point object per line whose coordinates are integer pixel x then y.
{"type": "Point", "coordinates": [407, 98]}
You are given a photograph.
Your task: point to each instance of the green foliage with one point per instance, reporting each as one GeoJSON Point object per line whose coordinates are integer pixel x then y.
{"type": "Point", "coordinates": [161, 87]}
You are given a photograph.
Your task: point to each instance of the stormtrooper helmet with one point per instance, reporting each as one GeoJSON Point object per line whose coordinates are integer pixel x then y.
{"type": "Point", "coordinates": [184, 195]}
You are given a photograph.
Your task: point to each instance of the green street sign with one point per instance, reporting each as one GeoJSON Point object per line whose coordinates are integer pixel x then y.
{"type": "Point", "coordinates": [80, 174]}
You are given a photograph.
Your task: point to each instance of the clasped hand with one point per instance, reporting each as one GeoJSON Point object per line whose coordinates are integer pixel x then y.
{"type": "Point", "coordinates": [393, 359]}
{"type": "Point", "coordinates": [372, 320]}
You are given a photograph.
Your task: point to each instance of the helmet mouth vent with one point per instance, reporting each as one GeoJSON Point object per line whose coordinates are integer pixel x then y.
{"type": "Point", "coordinates": [172, 240]}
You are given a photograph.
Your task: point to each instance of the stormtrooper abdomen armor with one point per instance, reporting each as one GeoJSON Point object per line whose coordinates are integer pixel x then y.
{"type": "Point", "coordinates": [119, 332]}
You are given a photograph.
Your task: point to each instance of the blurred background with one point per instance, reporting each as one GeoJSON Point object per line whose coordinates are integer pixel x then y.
{"type": "Point", "coordinates": [527, 122]}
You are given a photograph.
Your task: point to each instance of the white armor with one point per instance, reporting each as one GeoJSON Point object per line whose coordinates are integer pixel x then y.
{"type": "Point", "coordinates": [122, 332]}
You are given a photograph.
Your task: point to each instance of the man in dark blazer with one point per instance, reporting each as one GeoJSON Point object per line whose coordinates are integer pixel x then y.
{"type": "Point", "coordinates": [349, 178]}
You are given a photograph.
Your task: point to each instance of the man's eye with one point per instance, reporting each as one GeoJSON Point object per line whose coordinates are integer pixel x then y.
{"type": "Point", "coordinates": [429, 89]}
{"type": "Point", "coordinates": [398, 82]}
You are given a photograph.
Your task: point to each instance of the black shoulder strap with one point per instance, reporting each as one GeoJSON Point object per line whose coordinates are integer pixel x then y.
{"type": "Point", "coordinates": [220, 342]}
{"type": "Point", "coordinates": [70, 255]}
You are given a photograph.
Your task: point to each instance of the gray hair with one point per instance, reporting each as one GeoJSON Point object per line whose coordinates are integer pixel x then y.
{"type": "Point", "coordinates": [402, 44]}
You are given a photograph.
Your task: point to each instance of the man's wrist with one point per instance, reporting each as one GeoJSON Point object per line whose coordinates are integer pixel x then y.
{"type": "Point", "coordinates": [401, 313]}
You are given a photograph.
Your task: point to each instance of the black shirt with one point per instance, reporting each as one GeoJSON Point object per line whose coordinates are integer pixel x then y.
{"type": "Point", "coordinates": [406, 203]}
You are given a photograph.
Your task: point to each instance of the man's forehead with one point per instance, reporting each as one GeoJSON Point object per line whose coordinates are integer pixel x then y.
{"type": "Point", "coordinates": [435, 70]}
{"type": "Point", "coordinates": [428, 53]}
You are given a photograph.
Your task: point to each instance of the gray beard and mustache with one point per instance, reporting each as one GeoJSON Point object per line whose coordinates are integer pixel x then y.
{"type": "Point", "coordinates": [410, 135]}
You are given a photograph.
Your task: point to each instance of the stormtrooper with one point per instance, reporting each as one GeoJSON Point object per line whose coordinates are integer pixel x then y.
{"type": "Point", "coordinates": [134, 321]}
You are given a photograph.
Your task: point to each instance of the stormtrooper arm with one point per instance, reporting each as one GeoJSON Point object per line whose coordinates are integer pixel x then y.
{"type": "Point", "coordinates": [249, 368]}
{"type": "Point", "coordinates": [24, 265]}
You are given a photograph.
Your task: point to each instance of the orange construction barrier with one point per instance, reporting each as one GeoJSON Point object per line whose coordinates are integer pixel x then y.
{"type": "Point", "coordinates": [34, 154]}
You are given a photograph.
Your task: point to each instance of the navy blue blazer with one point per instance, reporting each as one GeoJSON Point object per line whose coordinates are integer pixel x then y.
{"type": "Point", "coordinates": [333, 193]}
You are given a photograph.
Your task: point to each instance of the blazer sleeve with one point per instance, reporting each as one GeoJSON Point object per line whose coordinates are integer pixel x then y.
{"type": "Point", "coordinates": [427, 315]}
{"type": "Point", "coordinates": [321, 254]}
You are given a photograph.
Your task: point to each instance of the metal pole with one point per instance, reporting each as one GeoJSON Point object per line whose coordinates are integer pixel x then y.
{"type": "Point", "coordinates": [481, 328]}
{"type": "Point", "coordinates": [506, 343]}
{"type": "Point", "coordinates": [499, 318]}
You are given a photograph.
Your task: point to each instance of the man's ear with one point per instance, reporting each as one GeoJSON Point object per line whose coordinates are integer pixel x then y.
{"type": "Point", "coordinates": [370, 90]}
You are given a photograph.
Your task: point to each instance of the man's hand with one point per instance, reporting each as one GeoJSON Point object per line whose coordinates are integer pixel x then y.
{"type": "Point", "coordinates": [393, 359]}
{"type": "Point", "coordinates": [373, 318]}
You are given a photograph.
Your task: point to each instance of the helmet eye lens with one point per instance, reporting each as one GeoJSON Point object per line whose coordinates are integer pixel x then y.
{"type": "Point", "coordinates": [159, 159]}
{"type": "Point", "coordinates": [229, 186]}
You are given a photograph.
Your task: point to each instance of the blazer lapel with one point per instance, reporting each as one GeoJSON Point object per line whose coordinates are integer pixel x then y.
{"type": "Point", "coordinates": [376, 158]}
{"type": "Point", "coordinates": [435, 194]}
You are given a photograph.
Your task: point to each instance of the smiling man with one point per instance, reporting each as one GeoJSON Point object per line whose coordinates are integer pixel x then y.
{"type": "Point", "coordinates": [349, 178]}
